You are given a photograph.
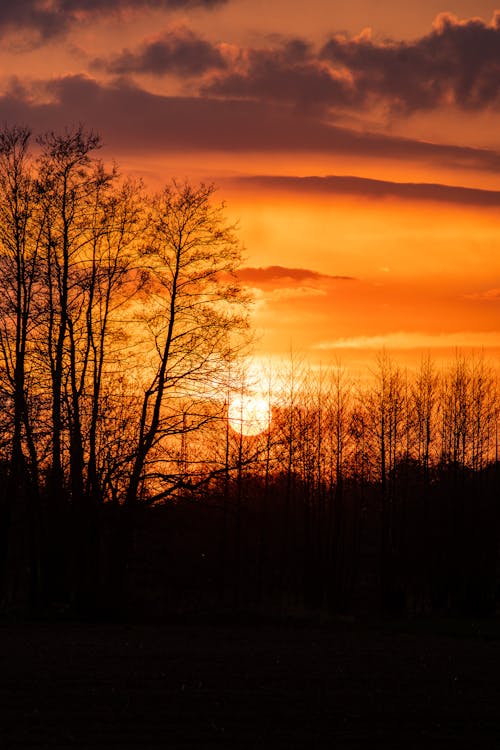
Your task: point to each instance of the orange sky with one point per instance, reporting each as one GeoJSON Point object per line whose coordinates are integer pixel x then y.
{"type": "Point", "coordinates": [356, 143]}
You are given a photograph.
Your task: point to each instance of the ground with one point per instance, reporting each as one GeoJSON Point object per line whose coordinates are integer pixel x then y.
{"type": "Point", "coordinates": [341, 684]}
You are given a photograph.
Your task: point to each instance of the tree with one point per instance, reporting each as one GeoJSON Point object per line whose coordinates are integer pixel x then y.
{"type": "Point", "coordinates": [425, 404]}
{"type": "Point", "coordinates": [19, 253]}
{"type": "Point", "coordinates": [19, 243]}
{"type": "Point", "coordinates": [194, 310]}
{"type": "Point", "coordinates": [71, 186]}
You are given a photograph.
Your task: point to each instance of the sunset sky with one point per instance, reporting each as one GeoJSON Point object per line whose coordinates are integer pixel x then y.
{"type": "Point", "coordinates": [356, 143]}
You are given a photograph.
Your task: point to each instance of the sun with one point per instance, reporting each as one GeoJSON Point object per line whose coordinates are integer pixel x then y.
{"type": "Point", "coordinates": [249, 415]}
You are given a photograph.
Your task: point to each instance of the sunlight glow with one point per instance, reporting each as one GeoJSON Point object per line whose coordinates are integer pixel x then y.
{"type": "Point", "coordinates": [249, 415]}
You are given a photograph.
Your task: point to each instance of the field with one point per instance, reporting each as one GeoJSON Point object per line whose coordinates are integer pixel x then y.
{"type": "Point", "coordinates": [341, 684]}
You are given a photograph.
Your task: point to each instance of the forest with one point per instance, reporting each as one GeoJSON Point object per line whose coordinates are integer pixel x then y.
{"type": "Point", "coordinates": [125, 487]}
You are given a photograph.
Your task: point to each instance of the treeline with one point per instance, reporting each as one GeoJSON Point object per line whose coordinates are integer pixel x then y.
{"type": "Point", "coordinates": [379, 495]}
{"type": "Point", "coordinates": [125, 487]}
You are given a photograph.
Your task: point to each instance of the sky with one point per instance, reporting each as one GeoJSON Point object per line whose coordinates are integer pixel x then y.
{"type": "Point", "coordinates": [355, 143]}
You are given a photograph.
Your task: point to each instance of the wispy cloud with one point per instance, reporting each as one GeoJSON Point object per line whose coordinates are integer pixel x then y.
{"type": "Point", "coordinates": [286, 293]}
{"type": "Point", "coordinates": [488, 295]}
{"type": "Point", "coordinates": [360, 186]}
{"type": "Point", "coordinates": [281, 284]}
{"type": "Point", "coordinates": [416, 340]}
{"type": "Point", "coordinates": [281, 274]}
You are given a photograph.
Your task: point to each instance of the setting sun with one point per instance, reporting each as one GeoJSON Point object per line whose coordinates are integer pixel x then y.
{"type": "Point", "coordinates": [249, 415]}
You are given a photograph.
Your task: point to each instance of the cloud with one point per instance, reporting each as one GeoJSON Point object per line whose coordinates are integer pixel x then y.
{"type": "Point", "coordinates": [375, 189]}
{"type": "Point", "coordinates": [289, 72]}
{"type": "Point", "coordinates": [130, 118]}
{"type": "Point", "coordinates": [175, 51]}
{"type": "Point", "coordinates": [489, 295]}
{"type": "Point", "coordinates": [290, 292]}
{"type": "Point", "coordinates": [280, 274]}
{"type": "Point", "coordinates": [457, 62]}
{"type": "Point", "coordinates": [46, 20]}
{"type": "Point", "coordinates": [414, 340]}
{"type": "Point", "coordinates": [279, 284]}
{"type": "Point", "coordinates": [286, 293]}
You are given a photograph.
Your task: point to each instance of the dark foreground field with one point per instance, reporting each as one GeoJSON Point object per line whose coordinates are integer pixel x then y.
{"type": "Point", "coordinates": [338, 685]}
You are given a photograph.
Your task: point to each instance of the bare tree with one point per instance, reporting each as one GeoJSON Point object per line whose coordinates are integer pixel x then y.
{"type": "Point", "coordinates": [69, 179]}
{"type": "Point", "coordinates": [194, 310]}
{"type": "Point", "coordinates": [19, 270]}
{"type": "Point", "coordinates": [19, 248]}
{"type": "Point", "coordinates": [425, 404]}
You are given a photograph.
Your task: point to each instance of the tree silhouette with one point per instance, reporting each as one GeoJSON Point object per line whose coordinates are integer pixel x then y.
{"type": "Point", "coordinates": [121, 330]}
{"type": "Point", "coordinates": [193, 312]}
{"type": "Point", "coordinates": [20, 249]}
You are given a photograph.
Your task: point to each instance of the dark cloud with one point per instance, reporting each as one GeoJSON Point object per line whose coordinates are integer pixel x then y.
{"type": "Point", "coordinates": [280, 274]}
{"type": "Point", "coordinates": [289, 72]}
{"type": "Point", "coordinates": [48, 20]}
{"type": "Point", "coordinates": [377, 189]}
{"type": "Point", "coordinates": [308, 85]}
{"type": "Point", "coordinates": [457, 62]}
{"type": "Point", "coordinates": [131, 119]}
{"type": "Point", "coordinates": [175, 51]}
